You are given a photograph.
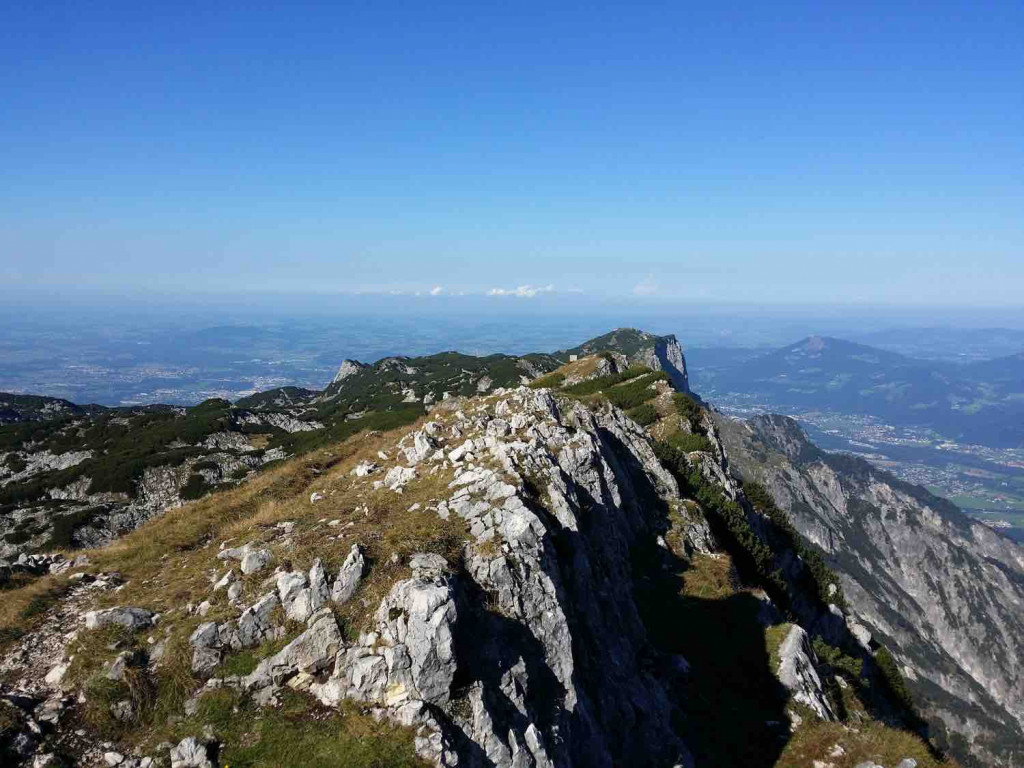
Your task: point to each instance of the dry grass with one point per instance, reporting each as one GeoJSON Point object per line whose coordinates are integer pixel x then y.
{"type": "Point", "coordinates": [172, 560]}
{"type": "Point", "coordinates": [669, 421]}
{"type": "Point", "coordinates": [294, 735]}
{"type": "Point", "coordinates": [22, 608]}
{"type": "Point", "coordinates": [815, 740]}
{"type": "Point", "coordinates": [710, 577]}
{"type": "Point", "coordinates": [580, 369]}
{"type": "Point", "coordinates": [773, 638]}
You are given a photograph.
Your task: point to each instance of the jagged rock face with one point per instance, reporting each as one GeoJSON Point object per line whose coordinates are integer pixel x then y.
{"type": "Point", "coordinates": [797, 672]}
{"type": "Point", "coordinates": [52, 502]}
{"type": "Point", "coordinates": [533, 653]}
{"type": "Point", "coordinates": [15, 409]}
{"type": "Point", "coordinates": [944, 594]}
{"type": "Point", "coordinates": [667, 355]}
{"type": "Point", "coordinates": [566, 628]}
{"type": "Point", "coordinates": [660, 353]}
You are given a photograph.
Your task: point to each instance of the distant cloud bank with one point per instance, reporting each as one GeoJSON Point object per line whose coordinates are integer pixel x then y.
{"type": "Point", "coordinates": [523, 291]}
{"type": "Point", "coordinates": [646, 287]}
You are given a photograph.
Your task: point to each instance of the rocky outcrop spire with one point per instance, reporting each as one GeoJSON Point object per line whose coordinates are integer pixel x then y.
{"type": "Point", "coordinates": [668, 356]}
{"type": "Point", "coordinates": [348, 368]}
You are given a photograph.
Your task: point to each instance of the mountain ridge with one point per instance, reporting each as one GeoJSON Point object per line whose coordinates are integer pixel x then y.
{"type": "Point", "coordinates": [83, 474]}
{"type": "Point", "coordinates": [604, 437]}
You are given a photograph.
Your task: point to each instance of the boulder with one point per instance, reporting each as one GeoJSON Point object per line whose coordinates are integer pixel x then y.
{"type": "Point", "coordinates": [417, 618]}
{"type": "Point", "coordinates": [190, 753]}
{"type": "Point", "coordinates": [349, 576]}
{"type": "Point", "coordinates": [206, 648]}
{"type": "Point", "coordinates": [225, 581]}
{"type": "Point", "coordinates": [311, 652]}
{"type": "Point", "coordinates": [255, 561]}
{"type": "Point", "coordinates": [254, 625]}
{"type": "Point", "coordinates": [365, 468]}
{"type": "Point", "coordinates": [398, 477]}
{"type": "Point", "coordinates": [294, 596]}
{"type": "Point", "coordinates": [121, 664]}
{"type": "Point", "coordinates": [422, 446]}
{"type": "Point", "coordinates": [320, 592]}
{"type": "Point", "coordinates": [128, 617]}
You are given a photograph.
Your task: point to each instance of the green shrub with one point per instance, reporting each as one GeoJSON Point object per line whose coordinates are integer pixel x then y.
{"type": "Point", "coordinates": [551, 381]}
{"type": "Point", "coordinates": [644, 414]}
{"type": "Point", "coordinates": [193, 488]}
{"type": "Point", "coordinates": [819, 579]}
{"type": "Point", "coordinates": [848, 666]}
{"type": "Point", "coordinates": [18, 537]}
{"type": "Point", "coordinates": [635, 392]}
{"type": "Point", "coordinates": [15, 463]}
{"type": "Point", "coordinates": [893, 678]}
{"type": "Point", "coordinates": [62, 534]}
{"type": "Point", "coordinates": [690, 410]}
{"type": "Point", "coordinates": [729, 519]}
{"type": "Point", "coordinates": [688, 443]}
{"type": "Point", "coordinates": [593, 386]}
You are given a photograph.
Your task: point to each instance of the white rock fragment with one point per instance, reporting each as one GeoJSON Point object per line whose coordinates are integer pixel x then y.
{"type": "Point", "coordinates": [458, 453]}
{"type": "Point", "coordinates": [190, 753]}
{"type": "Point", "coordinates": [398, 477]}
{"type": "Point", "coordinates": [365, 468]}
{"type": "Point", "coordinates": [225, 581]}
{"type": "Point", "coordinates": [128, 617]}
{"type": "Point", "coordinates": [55, 675]}
{"type": "Point", "coordinates": [255, 561]}
{"type": "Point", "coordinates": [349, 575]}
{"type": "Point", "coordinates": [797, 673]}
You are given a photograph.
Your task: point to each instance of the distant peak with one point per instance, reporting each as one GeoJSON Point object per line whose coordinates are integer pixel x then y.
{"type": "Point", "coordinates": [815, 343]}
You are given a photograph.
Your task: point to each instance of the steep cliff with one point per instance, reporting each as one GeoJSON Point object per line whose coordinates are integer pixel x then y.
{"type": "Point", "coordinates": [943, 593]}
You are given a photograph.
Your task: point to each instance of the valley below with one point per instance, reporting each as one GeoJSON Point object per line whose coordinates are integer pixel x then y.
{"type": "Point", "coordinates": [986, 483]}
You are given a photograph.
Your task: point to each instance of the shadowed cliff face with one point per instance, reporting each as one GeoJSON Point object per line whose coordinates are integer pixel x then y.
{"type": "Point", "coordinates": [669, 358]}
{"type": "Point", "coordinates": [945, 594]}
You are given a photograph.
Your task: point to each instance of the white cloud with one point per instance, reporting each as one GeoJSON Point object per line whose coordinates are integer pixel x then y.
{"type": "Point", "coordinates": [646, 287]}
{"type": "Point", "coordinates": [437, 290]}
{"type": "Point", "coordinates": [523, 291]}
{"type": "Point", "coordinates": [575, 290]}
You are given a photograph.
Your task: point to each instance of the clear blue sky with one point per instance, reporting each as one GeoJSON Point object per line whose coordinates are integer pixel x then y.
{"type": "Point", "coordinates": [788, 152]}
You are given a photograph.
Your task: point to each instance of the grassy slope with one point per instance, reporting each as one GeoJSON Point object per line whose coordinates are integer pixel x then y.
{"type": "Point", "coordinates": [168, 563]}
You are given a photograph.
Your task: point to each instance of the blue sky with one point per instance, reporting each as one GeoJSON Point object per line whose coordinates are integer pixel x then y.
{"type": "Point", "coordinates": [785, 153]}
